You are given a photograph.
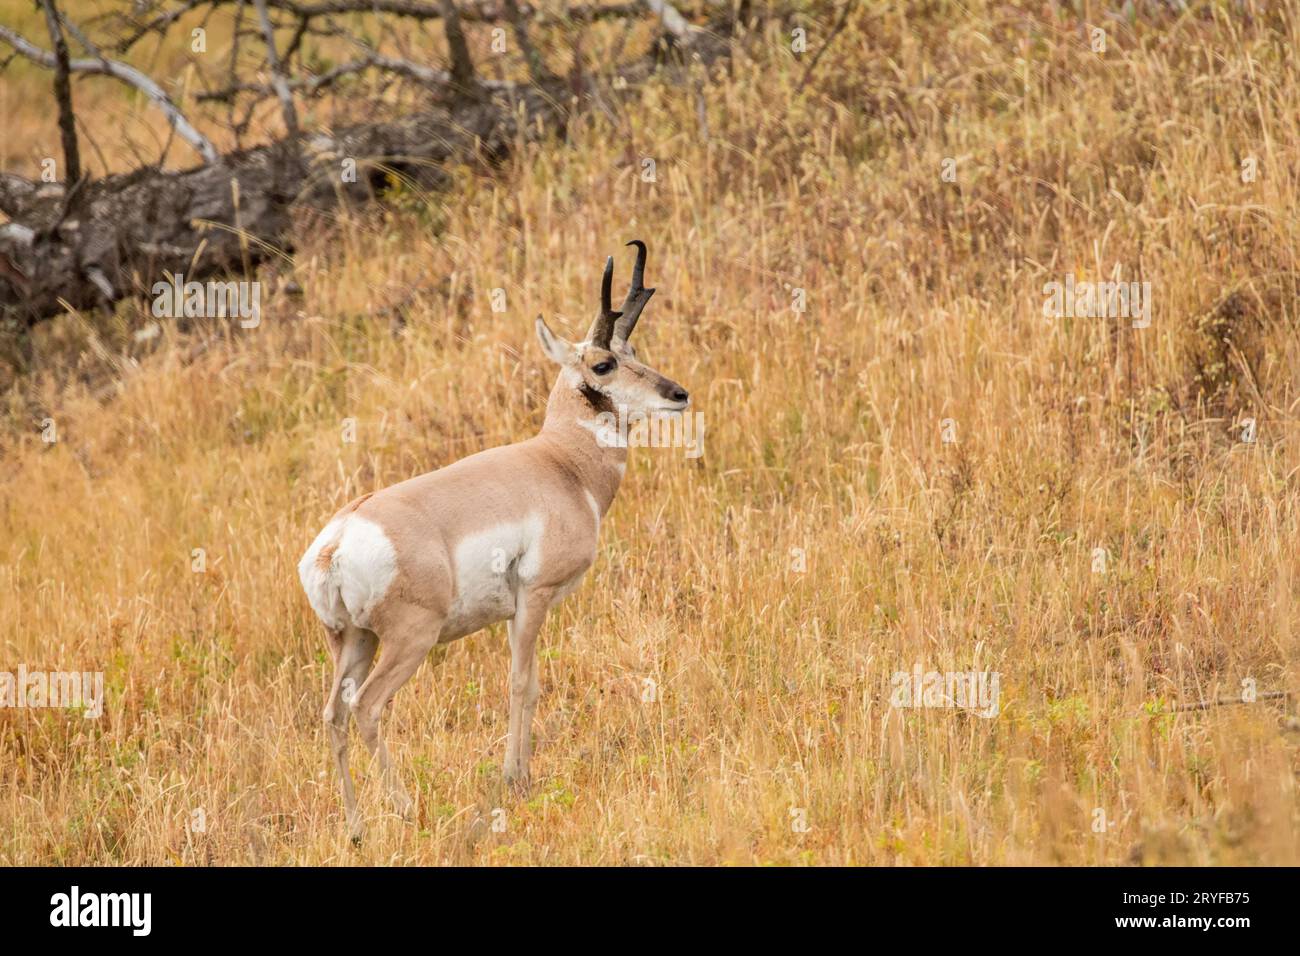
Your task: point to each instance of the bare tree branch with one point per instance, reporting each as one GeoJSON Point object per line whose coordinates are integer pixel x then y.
{"type": "Point", "coordinates": [158, 24]}
{"type": "Point", "coordinates": [835, 31]}
{"type": "Point", "coordinates": [63, 94]}
{"type": "Point", "coordinates": [481, 12]}
{"type": "Point", "coordinates": [278, 80]}
{"type": "Point", "coordinates": [238, 128]}
{"type": "Point", "coordinates": [536, 67]}
{"type": "Point", "coordinates": [90, 47]}
{"type": "Point", "coordinates": [462, 67]}
{"type": "Point", "coordinates": [127, 74]}
{"type": "Point", "coordinates": [438, 80]}
{"type": "Point", "coordinates": [304, 25]}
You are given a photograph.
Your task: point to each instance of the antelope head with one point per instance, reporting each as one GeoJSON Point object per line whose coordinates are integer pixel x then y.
{"type": "Point", "coordinates": [604, 367]}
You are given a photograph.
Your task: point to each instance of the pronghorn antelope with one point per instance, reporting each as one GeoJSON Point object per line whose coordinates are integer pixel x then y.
{"type": "Point", "coordinates": [500, 535]}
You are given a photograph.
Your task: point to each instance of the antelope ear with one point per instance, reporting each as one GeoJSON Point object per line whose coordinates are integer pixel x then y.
{"type": "Point", "coordinates": [557, 349]}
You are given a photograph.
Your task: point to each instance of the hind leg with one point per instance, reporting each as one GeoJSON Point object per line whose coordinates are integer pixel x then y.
{"type": "Point", "coordinates": [353, 649]}
{"type": "Point", "coordinates": [408, 634]}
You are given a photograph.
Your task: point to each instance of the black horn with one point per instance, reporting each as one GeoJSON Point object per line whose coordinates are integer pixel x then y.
{"type": "Point", "coordinates": [637, 296]}
{"type": "Point", "coordinates": [602, 329]}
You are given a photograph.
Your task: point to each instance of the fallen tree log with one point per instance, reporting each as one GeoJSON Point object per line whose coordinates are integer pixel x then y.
{"type": "Point", "coordinates": [115, 237]}
{"type": "Point", "coordinates": [126, 232]}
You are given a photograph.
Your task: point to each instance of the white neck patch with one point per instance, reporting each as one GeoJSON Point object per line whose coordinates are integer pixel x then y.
{"type": "Point", "coordinates": [606, 433]}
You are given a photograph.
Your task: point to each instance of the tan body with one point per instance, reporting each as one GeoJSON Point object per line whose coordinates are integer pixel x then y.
{"type": "Point", "coordinates": [500, 535]}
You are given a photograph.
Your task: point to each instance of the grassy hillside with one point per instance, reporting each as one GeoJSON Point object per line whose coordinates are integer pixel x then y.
{"type": "Point", "coordinates": [828, 537]}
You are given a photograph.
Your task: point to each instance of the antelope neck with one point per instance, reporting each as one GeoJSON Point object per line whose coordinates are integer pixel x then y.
{"type": "Point", "coordinates": [569, 429]}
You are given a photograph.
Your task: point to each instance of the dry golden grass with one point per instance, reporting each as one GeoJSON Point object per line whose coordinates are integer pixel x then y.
{"type": "Point", "coordinates": [924, 302]}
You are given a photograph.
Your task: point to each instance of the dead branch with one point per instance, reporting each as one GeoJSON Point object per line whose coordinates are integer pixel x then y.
{"type": "Point", "coordinates": [126, 74]}
{"type": "Point", "coordinates": [278, 80]}
{"type": "Point", "coordinates": [485, 12]}
{"type": "Point", "coordinates": [536, 67]}
{"type": "Point", "coordinates": [438, 81]}
{"type": "Point", "coordinates": [63, 94]}
{"type": "Point", "coordinates": [835, 32]}
{"type": "Point", "coordinates": [462, 67]}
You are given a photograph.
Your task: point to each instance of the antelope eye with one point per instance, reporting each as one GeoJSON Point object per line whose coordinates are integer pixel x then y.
{"type": "Point", "coordinates": [603, 368]}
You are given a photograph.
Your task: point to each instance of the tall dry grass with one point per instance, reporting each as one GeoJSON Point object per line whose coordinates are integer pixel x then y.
{"type": "Point", "coordinates": [823, 451]}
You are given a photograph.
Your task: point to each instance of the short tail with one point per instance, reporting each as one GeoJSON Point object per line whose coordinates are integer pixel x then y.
{"type": "Point", "coordinates": [319, 573]}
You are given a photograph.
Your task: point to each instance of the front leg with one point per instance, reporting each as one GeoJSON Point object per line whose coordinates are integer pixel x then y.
{"type": "Point", "coordinates": [530, 613]}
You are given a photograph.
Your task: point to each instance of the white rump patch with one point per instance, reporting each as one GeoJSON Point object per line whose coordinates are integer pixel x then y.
{"type": "Point", "coordinates": [358, 575]}
{"type": "Point", "coordinates": [367, 565]}
{"type": "Point", "coordinates": [320, 583]}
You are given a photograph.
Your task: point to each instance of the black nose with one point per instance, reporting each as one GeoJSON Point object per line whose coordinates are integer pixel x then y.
{"type": "Point", "coordinates": [679, 394]}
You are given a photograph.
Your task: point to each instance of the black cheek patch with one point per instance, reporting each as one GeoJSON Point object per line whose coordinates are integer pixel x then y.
{"type": "Point", "coordinates": [599, 401]}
